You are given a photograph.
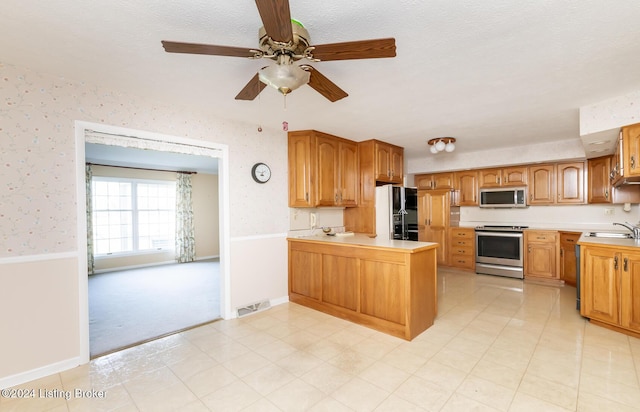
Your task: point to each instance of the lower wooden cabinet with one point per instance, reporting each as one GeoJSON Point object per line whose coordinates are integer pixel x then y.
{"type": "Point", "coordinates": [610, 286]}
{"type": "Point", "coordinates": [568, 263]}
{"type": "Point", "coordinates": [462, 248]}
{"type": "Point", "coordinates": [393, 290]}
{"type": "Point", "coordinates": [541, 251]}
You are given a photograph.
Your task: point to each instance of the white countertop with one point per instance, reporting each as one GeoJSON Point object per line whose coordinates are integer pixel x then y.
{"type": "Point", "coordinates": [365, 240]}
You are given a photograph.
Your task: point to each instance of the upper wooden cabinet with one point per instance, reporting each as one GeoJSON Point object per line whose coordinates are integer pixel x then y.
{"type": "Point", "coordinates": [599, 187]}
{"type": "Point", "coordinates": [434, 181]}
{"type": "Point", "coordinates": [466, 184]}
{"type": "Point", "coordinates": [323, 170]}
{"type": "Point", "coordinates": [389, 162]}
{"type": "Point", "coordinates": [631, 150]}
{"type": "Point", "coordinates": [503, 177]}
{"type": "Point", "coordinates": [562, 183]}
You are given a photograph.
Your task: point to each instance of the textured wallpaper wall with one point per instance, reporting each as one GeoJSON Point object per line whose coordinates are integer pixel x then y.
{"type": "Point", "coordinates": [37, 157]}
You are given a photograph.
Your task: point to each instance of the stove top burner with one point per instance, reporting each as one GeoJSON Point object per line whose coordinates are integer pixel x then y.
{"type": "Point", "coordinates": [498, 228]}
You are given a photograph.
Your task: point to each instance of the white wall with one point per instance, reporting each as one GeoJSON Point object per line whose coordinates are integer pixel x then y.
{"type": "Point", "coordinates": [38, 206]}
{"type": "Point", "coordinates": [578, 217]}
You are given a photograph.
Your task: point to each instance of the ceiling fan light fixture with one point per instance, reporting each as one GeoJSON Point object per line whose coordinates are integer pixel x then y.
{"type": "Point", "coordinates": [440, 144]}
{"type": "Point", "coordinates": [284, 76]}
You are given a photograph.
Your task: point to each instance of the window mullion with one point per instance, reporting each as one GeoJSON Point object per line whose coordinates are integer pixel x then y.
{"type": "Point", "coordinates": [134, 215]}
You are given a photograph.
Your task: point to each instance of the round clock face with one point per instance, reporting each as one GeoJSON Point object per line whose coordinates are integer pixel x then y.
{"type": "Point", "coordinates": [261, 173]}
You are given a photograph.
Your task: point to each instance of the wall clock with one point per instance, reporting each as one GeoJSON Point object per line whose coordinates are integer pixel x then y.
{"type": "Point", "coordinates": [261, 173]}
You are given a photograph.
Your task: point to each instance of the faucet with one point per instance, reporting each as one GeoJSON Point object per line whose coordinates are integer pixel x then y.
{"type": "Point", "coordinates": [634, 229]}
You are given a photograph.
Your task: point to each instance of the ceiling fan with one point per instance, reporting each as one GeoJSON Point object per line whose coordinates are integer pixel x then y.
{"type": "Point", "coordinates": [286, 41]}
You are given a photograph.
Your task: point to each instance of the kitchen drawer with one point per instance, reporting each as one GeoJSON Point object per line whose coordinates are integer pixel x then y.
{"type": "Point", "coordinates": [542, 236]}
{"type": "Point", "coordinates": [463, 251]}
{"type": "Point", "coordinates": [463, 261]}
{"type": "Point", "coordinates": [462, 233]}
{"type": "Point", "coordinates": [457, 242]}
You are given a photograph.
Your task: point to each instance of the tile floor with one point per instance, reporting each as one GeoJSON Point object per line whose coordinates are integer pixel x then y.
{"type": "Point", "coordinates": [498, 344]}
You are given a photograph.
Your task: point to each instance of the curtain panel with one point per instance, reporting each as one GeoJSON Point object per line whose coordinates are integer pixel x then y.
{"type": "Point", "coordinates": [185, 228]}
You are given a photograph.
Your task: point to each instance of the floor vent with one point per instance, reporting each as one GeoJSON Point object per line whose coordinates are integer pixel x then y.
{"type": "Point", "coordinates": [256, 307]}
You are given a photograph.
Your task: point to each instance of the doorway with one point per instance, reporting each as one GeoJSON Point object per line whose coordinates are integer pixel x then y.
{"type": "Point", "coordinates": [159, 151]}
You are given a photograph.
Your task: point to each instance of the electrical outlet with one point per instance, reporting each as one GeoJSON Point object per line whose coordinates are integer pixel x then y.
{"type": "Point", "coordinates": [608, 211]}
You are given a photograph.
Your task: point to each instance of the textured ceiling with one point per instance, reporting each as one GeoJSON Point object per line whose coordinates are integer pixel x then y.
{"type": "Point", "coordinates": [492, 73]}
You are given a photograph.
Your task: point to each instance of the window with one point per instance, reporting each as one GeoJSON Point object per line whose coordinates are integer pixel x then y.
{"type": "Point", "coordinates": [132, 215]}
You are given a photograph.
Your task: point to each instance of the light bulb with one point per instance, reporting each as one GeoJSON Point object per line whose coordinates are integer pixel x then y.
{"type": "Point", "coordinates": [450, 147]}
{"type": "Point", "coordinates": [433, 149]}
{"type": "Point", "coordinates": [440, 145]}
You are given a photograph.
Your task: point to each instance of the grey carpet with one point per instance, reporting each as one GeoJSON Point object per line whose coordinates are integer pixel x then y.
{"type": "Point", "coordinates": [131, 306]}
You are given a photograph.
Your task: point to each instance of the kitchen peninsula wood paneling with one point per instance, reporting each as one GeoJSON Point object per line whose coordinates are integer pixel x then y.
{"type": "Point", "coordinates": [390, 289]}
{"type": "Point", "coordinates": [323, 170]}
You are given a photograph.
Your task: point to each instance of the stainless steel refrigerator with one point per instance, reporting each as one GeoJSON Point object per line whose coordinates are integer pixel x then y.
{"type": "Point", "coordinates": [397, 212]}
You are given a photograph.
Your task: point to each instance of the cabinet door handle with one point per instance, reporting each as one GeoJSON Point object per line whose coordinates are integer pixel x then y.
{"type": "Point", "coordinates": [633, 161]}
{"type": "Point", "coordinates": [306, 196]}
{"type": "Point", "coordinates": [625, 265]}
{"type": "Point", "coordinates": [531, 197]}
{"type": "Point", "coordinates": [529, 249]}
{"type": "Point", "coordinates": [506, 179]}
{"type": "Point", "coordinates": [606, 193]}
{"type": "Point", "coordinates": [615, 263]}
{"type": "Point", "coordinates": [561, 252]}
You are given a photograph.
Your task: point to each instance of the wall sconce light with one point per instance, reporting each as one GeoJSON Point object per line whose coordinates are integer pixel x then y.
{"type": "Point", "coordinates": [440, 144]}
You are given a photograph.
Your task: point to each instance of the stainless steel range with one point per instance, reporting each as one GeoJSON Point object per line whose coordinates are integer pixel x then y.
{"type": "Point", "coordinates": [500, 250]}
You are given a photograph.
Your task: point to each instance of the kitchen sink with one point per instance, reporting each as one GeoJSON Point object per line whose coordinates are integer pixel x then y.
{"type": "Point", "coordinates": [611, 235]}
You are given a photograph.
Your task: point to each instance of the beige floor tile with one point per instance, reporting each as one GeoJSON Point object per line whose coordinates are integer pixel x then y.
{"type": "Point", "coordinates": [385, 376]}
{"type": "Point", "coordinates": [549, 391]}
{"type": "Point", "coordinates": [613, 391]}
{"type": "Point", "coordinates": [351, 361]}
{"type": "Point", "coordinates": [115, 397]}
{"type": "Point", "coordinates": [376, 348]}
{"type": "Point", "coordinates": [360, 395]}
{"type": "Point", "coordinates": [227, 351]}
{"type": "Point", "coordinates": [562, 372]}
{"type": "Point", "coordinates": [622, 372]}
{"type": "Point", "coordinates": [404, 359]}
{"type": "Point", "coordinates": [245, 364]}
{"type": "Point", "coordinates": [275, 350]}
{"type": "Point", "coordinates": [486, 392]}
{"type": "Point", "coordinates": [588, 402]}
{"type": "Point", "coordinates": [299, 363]}
{"type": "Point", "coordinates": [525, 403]}
{"type": "Point", "coordinates": [394, 404]}
{"type": "Point", "coordinates": [268, 379]}
{"type": "Point", "coordinates": [327, 378]}
{"type": "Point", "coordinates": [423, 393]}
{"type": "Point", "coordinates": [330, 405]}
{"type": "Point", "coordinates": [325, 349]}
{"type": "Point", "coordinates": [458, 360]}
{"type": "Point", "coordinates": [210, 380]}
{"type": "Point", "coordinates": [192, 365]}
{"type": "Point", "coordinates": [297, 395]}
{"type": "Point", "coordinates": [172, 398]}
{"type": "Point", "coordinates": [442, 375]}
{"type": "Point", "coordinates": [498, 374]}
{"type": "Point", "coordinates": [261, 405]}
{"type": "Point", "coordinates": [458, 403]}
{"type": "Point", "coordinates": [258, 339]}
{"type": "Point", "coordinates": [154, 380]}
{"type": "Point", "coordinates": [233, 397]}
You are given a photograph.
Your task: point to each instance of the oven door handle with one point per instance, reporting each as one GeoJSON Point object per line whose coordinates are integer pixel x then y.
{"type": "Point", "coordinates": [499, 234]}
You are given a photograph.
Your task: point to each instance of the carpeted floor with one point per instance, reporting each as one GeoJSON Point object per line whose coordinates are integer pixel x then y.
{"type": "Point", "coordinates": [131, 306]}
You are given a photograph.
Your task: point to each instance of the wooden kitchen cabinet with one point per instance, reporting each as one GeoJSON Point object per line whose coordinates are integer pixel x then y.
{"type": "Point", "coordinates": [568, 262]}
{"type": "Point", "coordinates": [561, 183]}
{"type": "Point", "coordinates": [503, 177]}
{"type": "Point", "coordinates": [462, 251]}
{"type": "Point", "coordinates": [389, 163]}
{"type": "Point", "coordinates": [433, 220]}
{"type": "Point", "coordinates": [631, 150]}
{"type": "Point", "coordinates": [466, 184]}
{"type": "Point", "coordinates": [542, 184]}
{"type": "Point", "coordinates": [542, 248]}
{"type": "Point", "coordinates": [391, 289]}
{"type": "Point", "coordinates": [362, 219]}
{"type": "Point", "coordinates": [599, 187]}
{"type": "Point", "coordinates": [435, 181]}
{"type": "Point", "coordinates": [570, 183]}
{"type": "Point", "coordinates": [323, 170]}
{"type": "Point", "coordinates": [610, 286]}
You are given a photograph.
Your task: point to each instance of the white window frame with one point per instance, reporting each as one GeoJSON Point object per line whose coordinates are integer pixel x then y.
{"type": "Point", "coordinates": [134, 218]}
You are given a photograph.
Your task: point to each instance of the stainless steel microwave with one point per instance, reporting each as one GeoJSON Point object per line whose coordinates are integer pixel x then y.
{"type": "Point", "coordinates": [503, 197]}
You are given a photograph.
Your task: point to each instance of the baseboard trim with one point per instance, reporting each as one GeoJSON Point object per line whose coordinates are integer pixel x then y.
{"type": "Point", "coordinates": [23, 377]}
{"type": "Point", "coordinates": [145, 265]}
{"type": "Point", "coordinates": [208, 257]}
{"type": "Point", "coordinates": [279, 301]}
{"type": "Point", "coordinates": [38, 258]}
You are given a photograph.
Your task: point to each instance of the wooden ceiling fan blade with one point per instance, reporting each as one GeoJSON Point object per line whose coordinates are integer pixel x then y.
{"type": "Point", "coordinates": [209, 49]}
{"type": "Point", "coordinates": [362, 49]}
{"type": "Point", "coordinates": [324, 86]}
{"type": "Point", "coordinates": [276, 18]}
{"type": "Point", "coordinates": [252, 89]}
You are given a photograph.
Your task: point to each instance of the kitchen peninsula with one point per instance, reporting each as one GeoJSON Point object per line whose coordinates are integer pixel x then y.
{"type": "Point", "coordinates": [387, 285]}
